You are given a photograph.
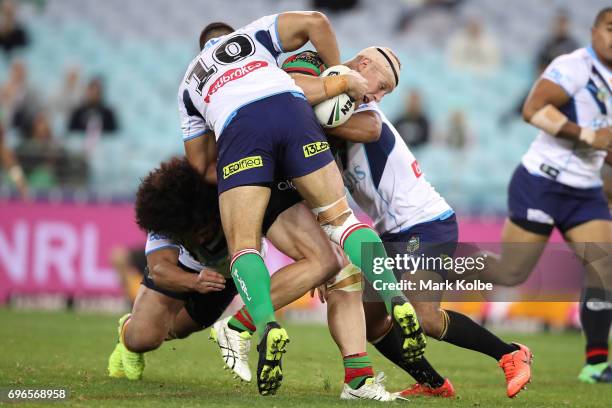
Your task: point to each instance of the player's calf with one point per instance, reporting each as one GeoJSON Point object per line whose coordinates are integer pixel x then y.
{"type": "Point", "coordinates": [123, 362]}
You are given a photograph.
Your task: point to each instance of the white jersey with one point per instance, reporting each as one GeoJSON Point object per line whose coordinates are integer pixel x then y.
{"type": "Point", "coordinates": [230, 72]}
{"type": "Point", "coordinates": [588, 83]}
{"type": "Point", "coordinates": [212, 256]}
{"type": "Point", "coordinates": [385, 180]}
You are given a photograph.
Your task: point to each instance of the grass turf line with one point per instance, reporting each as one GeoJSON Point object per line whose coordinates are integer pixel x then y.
{"type": "Point", "coordinates": [47, 350]}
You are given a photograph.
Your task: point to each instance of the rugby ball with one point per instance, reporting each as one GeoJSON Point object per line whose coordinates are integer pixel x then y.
{"type": "Point", "coordinates": [337, 110]}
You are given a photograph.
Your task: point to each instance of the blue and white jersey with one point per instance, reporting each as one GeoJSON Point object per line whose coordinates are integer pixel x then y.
{"type": "Point", "coordinates": [589, 84]}
{"type": "Point", "coordinates": [385, 180]}
{"type": "Point", "coordinates": [213, 256]}
{"type": "Point", "coordinates": [230, 72]}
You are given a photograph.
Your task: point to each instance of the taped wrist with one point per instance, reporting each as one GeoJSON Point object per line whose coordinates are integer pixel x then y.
{"type": "Point", "coordinates": [587, 135]}
{"type": "Point", "coordinates": [549, 119]}
{"type": "Point", "coordinates": [335, 85]}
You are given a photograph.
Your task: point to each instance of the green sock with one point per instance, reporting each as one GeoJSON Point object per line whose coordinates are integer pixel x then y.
{"type": "Point", "coordinates": [357, 369]}
{"type": "Point", "coordinates": [253, 283]}
{"type": "Point", "coordinates": [352, 247]}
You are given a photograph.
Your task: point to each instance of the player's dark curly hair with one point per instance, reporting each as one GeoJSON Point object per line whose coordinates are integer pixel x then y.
{"type": "Point", "coordinates": [218, 26]}
{"type": "Point", "coordinates": [174, 200]}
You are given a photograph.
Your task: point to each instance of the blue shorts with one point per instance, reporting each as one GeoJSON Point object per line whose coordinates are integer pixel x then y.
{"type": "Point", "coordinates": [537, 204]}
{"type": "Point", "coordinates": [433, 239]}
{"type": "Point", "coordinates": [275, 136]}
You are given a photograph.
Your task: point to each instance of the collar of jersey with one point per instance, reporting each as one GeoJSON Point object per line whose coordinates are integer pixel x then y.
{"type": "Point", "coordinates": [591, 51]}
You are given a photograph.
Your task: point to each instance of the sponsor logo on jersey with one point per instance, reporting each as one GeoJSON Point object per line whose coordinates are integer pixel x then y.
{"type": "Point", "coordinates": [416, 169]}
{"type": "Point", "coordinates": [352, 178]}
{"type": "Point", "coordinates": [154, 236]}
{"type": "Point", "coordinates": [242, 164]}
{"type": "Point", "coordinates": [232, 75]}
{"type": "Point", "coordinates": [315, 148]}
{"type": "Point", "coordinates": [549, 170]}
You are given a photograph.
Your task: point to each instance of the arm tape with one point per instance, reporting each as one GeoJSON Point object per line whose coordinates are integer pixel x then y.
{"type": "Point", "coordinates": [587, 135]}
{"type": "Point", "coordinates": [549, 119]}
{"type": "Point", "coordinates": [335, 85]}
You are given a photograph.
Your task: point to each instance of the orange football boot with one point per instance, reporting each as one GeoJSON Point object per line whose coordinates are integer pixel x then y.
{"type": "Point", "coordinates": [517, 368]}
{"type": "Point", "coordinates": [446, 390]}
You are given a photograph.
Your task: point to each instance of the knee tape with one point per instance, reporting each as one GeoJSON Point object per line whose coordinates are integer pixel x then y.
{"type": "Point", "coordinates": [347, 280]}
{"type": "Point", "coordinates": [327, 214]}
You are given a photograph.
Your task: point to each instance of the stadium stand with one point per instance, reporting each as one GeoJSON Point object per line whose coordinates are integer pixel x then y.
{"type": "Point", "coordinates": [141, 48]}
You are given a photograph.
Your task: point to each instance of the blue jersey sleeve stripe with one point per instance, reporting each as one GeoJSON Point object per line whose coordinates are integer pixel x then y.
{"type": "Point", "coordinates": [150, 251]}
{"type": "Point", "coordinates": [278, 40]}
{"type": "Point", "coordinates": [189, 137]}
{"type": "Point", "coordinates": [557, 81]}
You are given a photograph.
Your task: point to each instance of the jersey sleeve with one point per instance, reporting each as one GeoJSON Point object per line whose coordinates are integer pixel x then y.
{"type": "Point", "coordinates": [269, 24]}
{"type": "Point", "coordinates": [568, 71]}
{"type": "Point", "coordinates": [368, 107]}
{"type": "Point", "coordinates": [306, 62]}
{"type": "Point", "coordinates": [157, 241]}
{"type": "Point", "coordinates": [192, 123]}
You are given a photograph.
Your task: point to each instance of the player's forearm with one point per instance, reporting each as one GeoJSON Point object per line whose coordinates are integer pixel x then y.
{"type": "Point", "coordinates": [170, 277]}
{"type": "Point", "coordinates": [570, 131]}
{"type": "Point", "coordinates": [312, 87]}
{"type": "Point", "coordinates": [362, 127]}
{"type": "Point", "coordinates": [319, 89]}
{"type": "Point", "coordinates": [547, 117]}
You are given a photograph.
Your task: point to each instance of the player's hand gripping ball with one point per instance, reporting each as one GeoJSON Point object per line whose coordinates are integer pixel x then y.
{"type": "Point", "coordinates": [337, 110]}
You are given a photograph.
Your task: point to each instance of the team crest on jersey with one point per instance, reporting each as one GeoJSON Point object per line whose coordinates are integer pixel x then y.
{"type": "Point", "coordinates": [241, 165]}
{"type": "Point", "coordinates": [315, 148]}
{"type": "Point", "coordinates": [413, 244]}
{"type": "Point", "coordinates": [602, 95]}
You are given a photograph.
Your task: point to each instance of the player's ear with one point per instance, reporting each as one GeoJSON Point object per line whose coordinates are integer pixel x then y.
{"type": "Point", "coordinates": [364, 62]}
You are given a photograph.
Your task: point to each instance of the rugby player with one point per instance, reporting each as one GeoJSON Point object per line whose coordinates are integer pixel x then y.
{"type": "Point", "coordinates": [558, 184]}
{"type": "Point", "coordinates": [233, 334]}
{"type": "Point", "coordinates": [383, 177]}
{"type": "Point", "coordinates": [184, 289]}
{"type": "Point", "coordinates": [385, 180]}
{"type": "Point", "coordinates": [263, 124]}
{"type": "Point", "coordinates": [187, 258]}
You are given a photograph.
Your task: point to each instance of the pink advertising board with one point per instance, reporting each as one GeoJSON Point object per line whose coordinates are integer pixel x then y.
{"type": "Point", "coordinates": [65, 248]}
{"type": "Point", "coordinates": [62, 248]}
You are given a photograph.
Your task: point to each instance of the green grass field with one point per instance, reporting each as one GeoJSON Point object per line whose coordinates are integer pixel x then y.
{"type": "Point", "coordinates": [68, 350]}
